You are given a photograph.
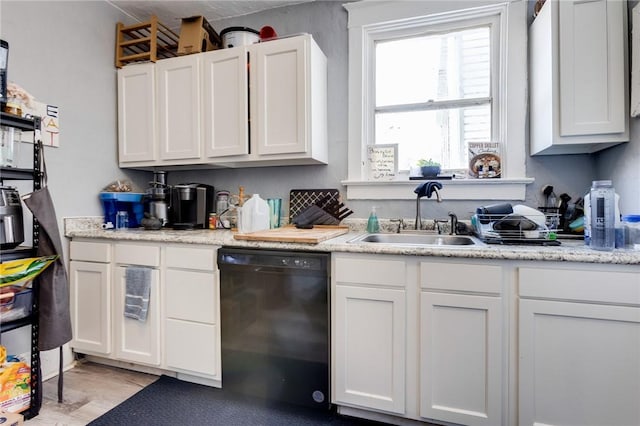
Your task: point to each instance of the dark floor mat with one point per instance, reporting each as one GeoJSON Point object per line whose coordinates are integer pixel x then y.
{"type": "Point", "coordinates": [170, 401]}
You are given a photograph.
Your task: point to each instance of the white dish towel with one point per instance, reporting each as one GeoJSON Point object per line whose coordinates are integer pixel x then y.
{"type": "Point", "coordinates": [137, 291]}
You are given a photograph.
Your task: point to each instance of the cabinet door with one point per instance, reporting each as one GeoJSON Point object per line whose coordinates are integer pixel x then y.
{"type": "Point", "coordinates": [592, 71]}
{"type": "Point", "coordinates": [461, 358]}
{"type": "Point", "coordinates": [90, 289]}
{"type": "Point", "coordinates": [192, 347]}
{"type": "Point", "coordinates": [280, 96]}
{"type": "Point", "coordinates": [179, 107]}
{"type": "Point", "coordinates": [579, 363]}
{"type": "Point", "coordinates": [225, 102]}
{"type": "Point", "coordinates": [370, 348]}
{"type": "Point", "coordinates": [135, 340]}
{"type": "Point", "coordinates": [136, 114]}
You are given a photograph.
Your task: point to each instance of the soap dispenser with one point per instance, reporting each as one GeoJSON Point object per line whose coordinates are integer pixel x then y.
{"type": "Point", "coordinates": [372, 224]}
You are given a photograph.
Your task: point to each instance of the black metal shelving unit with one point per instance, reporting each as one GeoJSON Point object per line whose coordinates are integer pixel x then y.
{"type": "Point", "coordinates": [34, 175]}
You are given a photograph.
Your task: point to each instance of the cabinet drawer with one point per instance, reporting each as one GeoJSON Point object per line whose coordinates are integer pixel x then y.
{"type": "Point", "coordinates": [90, 251]}
{"type": "Point", "coordinates": [580, 285]}
{"type": "Point", "coordinates": [201, 258]}
{"type": "Point", "coordinates": [192, 347]}
{"type": "Point", "coordinates": [372, 270]}
{"type": "Point", "coordinates": [137, 254]}
{"type": "Point", "coordinates": [191, 296]}
{"type": "Point", "coordinates": [458, 277]}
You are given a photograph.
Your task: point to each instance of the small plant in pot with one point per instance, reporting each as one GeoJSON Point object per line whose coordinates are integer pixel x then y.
{"type": "Point", "coordinates": [429, 168]}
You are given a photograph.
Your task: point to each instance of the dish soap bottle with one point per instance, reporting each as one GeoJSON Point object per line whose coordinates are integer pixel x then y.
{"type": "Point", "coordinates": [372, 224]}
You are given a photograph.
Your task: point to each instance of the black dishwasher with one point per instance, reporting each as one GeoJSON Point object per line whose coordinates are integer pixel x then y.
{"type": "Point", "coordinates": [274, 311]}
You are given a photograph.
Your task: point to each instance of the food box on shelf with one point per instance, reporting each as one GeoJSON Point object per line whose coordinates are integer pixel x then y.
{"type": "Point", "coordinates": [15, 303]}
{"type": "Point", "coordinates": [197, 35]}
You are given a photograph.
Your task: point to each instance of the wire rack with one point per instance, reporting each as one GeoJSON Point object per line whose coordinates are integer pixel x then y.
{"type": "Point", "coordinates": [513, 228]}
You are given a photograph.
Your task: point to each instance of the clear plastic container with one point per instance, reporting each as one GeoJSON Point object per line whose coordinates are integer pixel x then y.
{"type": "Point", "coordinates": [602, 200]}
{"type": "Point", "coordinates": [631, 225]}
{"type": "Point", "coordinates": [9, 146]}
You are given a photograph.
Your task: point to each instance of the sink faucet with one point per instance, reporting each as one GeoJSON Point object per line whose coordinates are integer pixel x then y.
{"type": "Point", "coordinates": [425, 190]}
{"type": "Point", "coordinates": [401, 224]}
{"type": "Point", "coordinates": [454, 223]}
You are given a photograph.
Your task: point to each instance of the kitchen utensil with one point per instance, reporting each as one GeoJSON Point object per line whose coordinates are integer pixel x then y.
{"type": "Point", "coordinates": [299, 199]}
{"type": "Point", "coordinates": [314, 215]}
{"type": "Point", "coordinates": [532, 214]}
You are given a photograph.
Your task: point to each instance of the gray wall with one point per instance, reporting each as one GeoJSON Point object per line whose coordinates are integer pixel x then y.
{"type": "Point", "coordinates": [76, 71]}
{"type": "Point", "coordinates": [62, 53]}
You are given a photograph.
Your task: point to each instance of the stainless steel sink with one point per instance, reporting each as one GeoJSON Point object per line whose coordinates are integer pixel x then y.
{"type": "Point", "coordinates": [416, 239]}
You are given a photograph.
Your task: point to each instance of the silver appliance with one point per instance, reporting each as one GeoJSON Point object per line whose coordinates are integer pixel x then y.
{"type": "Point", "coordinates": [159, 197]}
{"type": "Point", "coordinates": [11, 225]}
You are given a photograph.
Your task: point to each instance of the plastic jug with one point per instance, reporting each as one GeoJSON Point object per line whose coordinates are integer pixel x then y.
{"type": "Point", "coordinates": [255, 215]}
{"type": "Point", "coordinates": [603, 212]}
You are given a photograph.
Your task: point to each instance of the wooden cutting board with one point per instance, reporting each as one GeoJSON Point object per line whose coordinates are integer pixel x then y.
{"type": "Point", "coordinates": [291, 234]}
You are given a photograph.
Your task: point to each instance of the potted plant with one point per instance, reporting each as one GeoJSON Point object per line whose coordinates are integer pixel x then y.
{"type": "Point", "coordinates": [429, 168]}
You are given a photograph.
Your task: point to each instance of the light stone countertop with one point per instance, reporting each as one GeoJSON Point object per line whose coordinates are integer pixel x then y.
{"type": "Point", "coordinates": [568, 251]}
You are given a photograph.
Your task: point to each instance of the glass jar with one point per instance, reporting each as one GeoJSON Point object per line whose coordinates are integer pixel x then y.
{"type": "Point", "coordinates": [222, 201]}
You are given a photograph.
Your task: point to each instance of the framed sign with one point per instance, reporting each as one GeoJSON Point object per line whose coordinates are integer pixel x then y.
{"type": "Point", "coordinates": [382, 161]}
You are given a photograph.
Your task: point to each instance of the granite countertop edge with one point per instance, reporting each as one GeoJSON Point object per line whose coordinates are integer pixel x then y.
{"type": "Point", "coordinates": [568, 251]}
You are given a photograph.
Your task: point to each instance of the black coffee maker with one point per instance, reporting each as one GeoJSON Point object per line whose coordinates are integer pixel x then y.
{"type": "Point", "coordinates": [191, 204]}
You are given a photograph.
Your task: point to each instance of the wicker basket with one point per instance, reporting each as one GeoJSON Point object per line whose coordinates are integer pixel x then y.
{"type": "Point", "coordinates": [145, 41]}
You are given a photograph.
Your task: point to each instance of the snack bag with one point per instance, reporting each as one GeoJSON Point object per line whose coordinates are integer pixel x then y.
{"type": "Point", "coordinates": [15, 386]}
{"type": "Point", "coordinates": [22, 271]}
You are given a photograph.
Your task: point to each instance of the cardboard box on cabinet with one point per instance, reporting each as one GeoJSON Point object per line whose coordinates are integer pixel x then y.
{"type": "Point", "coordinates": [197, 35]}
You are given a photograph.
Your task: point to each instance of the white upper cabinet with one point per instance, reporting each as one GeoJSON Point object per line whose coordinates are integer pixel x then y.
{"type": "Point", "coordinates": [578, 74]}
{"type": "Point", "coordinates": [136, 115]}
{"type": "Point", "coordinates": [259, 105]}
{"type": "Point", "coordinates": [225, 102]}
{"type": "Point", "coordinates": [281, 84]}
{"type": "Point", "coordinates": [178, 106]}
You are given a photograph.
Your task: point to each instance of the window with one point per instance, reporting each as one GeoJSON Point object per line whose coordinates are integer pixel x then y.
{"type": "Point", "coordinates": [433, 76]}
{"type": "Point", "coordinates": [433, 94]}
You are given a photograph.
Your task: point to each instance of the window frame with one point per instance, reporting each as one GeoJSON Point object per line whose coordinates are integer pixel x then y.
{"type": "Point", "coordinates": [370, 21]}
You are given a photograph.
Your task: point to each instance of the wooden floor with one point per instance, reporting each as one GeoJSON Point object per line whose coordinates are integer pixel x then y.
{"type": "Point", "coordinates": [90, 390]}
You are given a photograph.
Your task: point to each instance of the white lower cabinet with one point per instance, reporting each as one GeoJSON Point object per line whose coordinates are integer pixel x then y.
{"type": "Point", "coordinates": [181, 333]}
{"type": "Point", "coordinates": [90, 290]}
{"type": "Point", "coordinates": [370, 347]}
{"type": "Point", "coordinates": [417, 338]}
{"type": "Point", "coordinates": [134, 340]}
{"type": "Point", "coordinates": [460, 358]}
{"type": "Point", "coordinates": [579, 346]}
{"type": "Point", "coordinates": [191, 314]}
{"type": "Point", "coordinates": [461, 344]}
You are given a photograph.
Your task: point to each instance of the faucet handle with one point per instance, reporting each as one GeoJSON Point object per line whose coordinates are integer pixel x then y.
{"type": "Point", "coordinates": [401, 224]}
{"type": "Point", "coordinates": [437, 223]}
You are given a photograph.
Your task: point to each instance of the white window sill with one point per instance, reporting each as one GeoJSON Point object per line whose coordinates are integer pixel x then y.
{"type": "Point", "coordinates": [455, 189]}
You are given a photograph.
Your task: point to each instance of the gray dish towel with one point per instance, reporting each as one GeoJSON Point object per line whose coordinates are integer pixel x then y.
{"type": "Point", "coordinates": [137, 291]}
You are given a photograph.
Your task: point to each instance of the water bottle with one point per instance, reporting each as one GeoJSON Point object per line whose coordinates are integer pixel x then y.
{"type": "Point", "coordinates": [602, 200]}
